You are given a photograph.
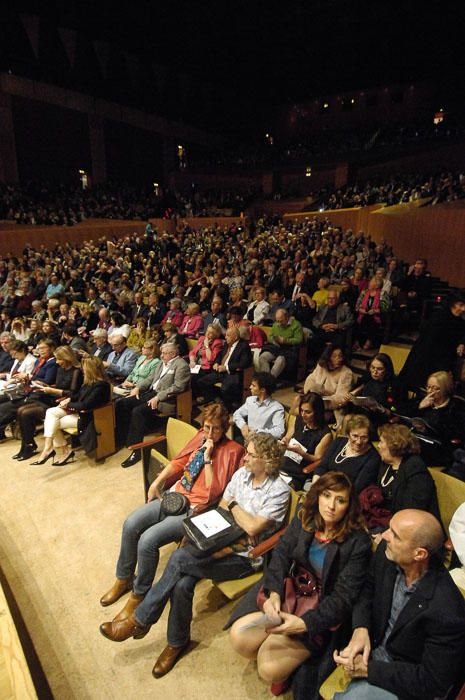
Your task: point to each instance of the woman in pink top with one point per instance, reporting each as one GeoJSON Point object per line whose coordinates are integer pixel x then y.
{"type": "Point", "coordinates": [204, 354]}
{"type": "Point", "coordinates": [192, 321]}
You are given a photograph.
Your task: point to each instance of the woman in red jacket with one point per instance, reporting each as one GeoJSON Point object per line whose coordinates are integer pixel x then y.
{"type": "Point", "coordinates": [201, 472]}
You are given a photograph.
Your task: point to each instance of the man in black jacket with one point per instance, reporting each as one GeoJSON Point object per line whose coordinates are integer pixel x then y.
{"type": "Point", "coordinates": [409, 623]}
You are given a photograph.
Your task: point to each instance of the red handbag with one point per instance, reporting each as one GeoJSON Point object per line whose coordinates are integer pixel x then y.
{"type": "Point", "coordinates": [301, 591]}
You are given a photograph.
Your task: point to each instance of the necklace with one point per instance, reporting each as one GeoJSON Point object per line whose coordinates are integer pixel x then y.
{"type": "Point", "coordinates": [386, 481]}
{"type": "Point", "coordinates": [343, 454]}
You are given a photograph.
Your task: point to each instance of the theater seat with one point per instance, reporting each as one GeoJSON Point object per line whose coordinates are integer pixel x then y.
{"type": "Point", "coordinates": [177, 435]}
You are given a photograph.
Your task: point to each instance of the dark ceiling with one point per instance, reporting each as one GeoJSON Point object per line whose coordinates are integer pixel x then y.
{"type": "Point", "coordinates": [257, 55]}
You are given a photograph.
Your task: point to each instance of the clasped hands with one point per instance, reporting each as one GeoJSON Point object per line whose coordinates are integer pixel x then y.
{"type": "Point", "coordinates": [284, 623]}
{"type": "Point", "coordinates": [354, 658]}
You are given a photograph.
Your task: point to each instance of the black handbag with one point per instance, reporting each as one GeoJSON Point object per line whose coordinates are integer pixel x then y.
{"type": "Point", "coordinates": [173, 503]}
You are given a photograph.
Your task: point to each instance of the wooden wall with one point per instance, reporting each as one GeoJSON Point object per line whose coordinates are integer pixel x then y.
{"type": "Point", "coordinates": [435, 233]}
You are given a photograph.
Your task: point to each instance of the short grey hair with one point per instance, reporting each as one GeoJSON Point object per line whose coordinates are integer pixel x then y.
{"type": "Point", "coordinates": [99, 333]}
{"type": "Point", "coordinates": [174, 347]}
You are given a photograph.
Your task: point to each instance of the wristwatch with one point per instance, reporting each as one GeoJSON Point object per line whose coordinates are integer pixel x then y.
{"type": "Point", "coordinates": [231, 505]}
{"type": "Point", "coordinates": [208, 461]}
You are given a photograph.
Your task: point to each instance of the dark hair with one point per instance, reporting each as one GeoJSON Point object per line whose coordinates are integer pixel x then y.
{"type": "Point", "coordinates": [317, 403]}
{"type": "Point", "coordinates": [387, 364]}
{"type": "Point", "coordinates": [265, 380]}
{"type": "Point", "coordinates": [453, 298]}
{"type": "Point", "coordinates": [310, 516]}
{"type": "Point", "coordinates": [19, 346]}
{"type": "Point", "coordinates": [70, 329]}
{"type": "Point", "coordinates": [326, 355]}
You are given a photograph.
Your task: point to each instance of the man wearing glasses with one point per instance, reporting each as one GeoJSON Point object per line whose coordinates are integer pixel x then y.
{"type": "Point", "coordinates": [258, 499]}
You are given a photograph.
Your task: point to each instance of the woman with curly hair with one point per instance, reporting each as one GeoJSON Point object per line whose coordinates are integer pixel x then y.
{"type": "Point", "coordinates": [327, 537]}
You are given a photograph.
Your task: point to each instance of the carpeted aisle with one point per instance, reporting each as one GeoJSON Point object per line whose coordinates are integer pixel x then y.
{"type": "Point", "coordinates": [59, 537]}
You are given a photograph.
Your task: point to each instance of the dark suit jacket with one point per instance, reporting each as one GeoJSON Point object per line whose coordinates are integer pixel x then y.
{"type": "Point", "coordinates": [240, 359]}
{"type": "Point", "coordinates": [105, 350]}
{"type": "Point", "coordinates": [427, 643]}
{"type": "Point", "coordinates": [344, 318]}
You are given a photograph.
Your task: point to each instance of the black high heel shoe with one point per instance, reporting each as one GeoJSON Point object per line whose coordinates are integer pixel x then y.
{"type": "Point", "coordinates": [66, 460]}
{"type": "Point", "coordinates": [43, 460]}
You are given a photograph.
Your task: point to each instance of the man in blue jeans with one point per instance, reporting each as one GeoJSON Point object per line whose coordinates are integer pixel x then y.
{"type": "Point", "coordinates": [258, 499]}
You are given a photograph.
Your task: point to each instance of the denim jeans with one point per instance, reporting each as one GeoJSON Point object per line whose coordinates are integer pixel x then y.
{"type": "Point", "coordinates": [177, 584]}
{"type": "Point", "coordinates": [362, 690]}
{"type": "Point", "coordinates": [144, 532]}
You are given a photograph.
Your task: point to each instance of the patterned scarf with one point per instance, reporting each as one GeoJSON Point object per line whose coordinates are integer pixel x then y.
{"type": "Point", "coordinates": [193, 469]}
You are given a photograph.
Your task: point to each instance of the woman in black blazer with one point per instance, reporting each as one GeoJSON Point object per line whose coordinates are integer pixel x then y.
{"type": "Point", "coordinates": [95, 392]}
{"type": "Point", "coordinates": [403, 478]}
{"type": "Point", "coordinates": [327, 536]}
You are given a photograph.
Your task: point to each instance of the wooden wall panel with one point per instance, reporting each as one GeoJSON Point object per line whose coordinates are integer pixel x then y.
{"type": "Point", "coordinates": [434, 233]}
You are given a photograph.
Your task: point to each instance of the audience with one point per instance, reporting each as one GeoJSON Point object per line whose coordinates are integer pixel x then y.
{"type": "Point", "coordinates": [109, 300]}
{"type": "Point", "coordinates": [326, 537]}
{"type": "Point", "coordinates": [354, 455]}
{"type": "Point", "coordinates": [258, 514]}
{"type": "Point", "coordinates": [138, 414]}
{"type": "Point", "coordinates": [282, 349]}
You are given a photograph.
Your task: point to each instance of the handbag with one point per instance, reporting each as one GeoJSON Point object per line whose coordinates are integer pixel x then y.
{"type": "Point", "coordinates": [173, 503]}
{"type": "Point", "coordinates": [301, 591]}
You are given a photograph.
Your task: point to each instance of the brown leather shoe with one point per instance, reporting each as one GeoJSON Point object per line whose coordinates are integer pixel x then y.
{"type": "Point", "coordinates": [119, 631]}
{"type": "Point", "coordinates": [131, 604]}
{"type": "Point", "coordinates": [119, 588]}
{"type": "Point", "coordinates": [167, 659]}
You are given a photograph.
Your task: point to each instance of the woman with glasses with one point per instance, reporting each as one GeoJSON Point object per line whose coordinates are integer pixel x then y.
{"type": "Point", "coordinates": [141, 376]}
{"type": "Point", "coordinates": [215, 458]}
{"type": "Point", "coordinates": [354, 455]}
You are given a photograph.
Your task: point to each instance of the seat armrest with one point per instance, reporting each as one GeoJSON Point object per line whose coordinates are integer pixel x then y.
{"type": "Point", "coordinates": [311, 467]}
{"type": "Point", "coordinates": [267, 544]}
{"type": "Point", "coordinates": [147, 443]}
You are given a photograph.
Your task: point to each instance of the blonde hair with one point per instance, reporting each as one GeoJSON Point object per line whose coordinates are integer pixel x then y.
{"type": "Point", "coordinates": [94, 370]}
{"type": "Point", "coordinates": [444, 381]}
{"type": "Point", "coordinates": [67, 355]}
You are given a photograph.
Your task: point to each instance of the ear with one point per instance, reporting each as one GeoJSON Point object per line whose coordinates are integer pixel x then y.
{"type": "Point", "coordinates": [420, 554]}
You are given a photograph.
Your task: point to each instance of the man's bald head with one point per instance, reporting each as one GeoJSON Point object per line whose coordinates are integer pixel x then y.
{"type": "Point", "coordinates": [425, 529]}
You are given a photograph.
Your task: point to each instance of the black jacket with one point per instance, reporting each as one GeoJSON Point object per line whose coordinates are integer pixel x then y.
{"type": "Point", "coordinates": [413, 486]}
{"type": "Point", "coordinates": [427, 643]}
{"type": "Point", "coordinates": [343, 574]}
{"type": "Point", "coordinates": [240, 359]}
{"type": "Point", "coordinates": [90, 396]}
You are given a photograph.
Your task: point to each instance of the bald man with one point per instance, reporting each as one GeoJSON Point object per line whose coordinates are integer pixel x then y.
{"type": "Point", "coordinates": [409, 624]}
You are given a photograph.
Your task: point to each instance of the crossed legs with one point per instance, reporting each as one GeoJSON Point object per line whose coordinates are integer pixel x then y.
{"type": "Point", "coordinates": [277, 655]}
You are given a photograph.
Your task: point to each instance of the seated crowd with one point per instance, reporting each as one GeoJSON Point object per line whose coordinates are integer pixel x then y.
{"type": "Point", "coordinates": [142, 320]}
